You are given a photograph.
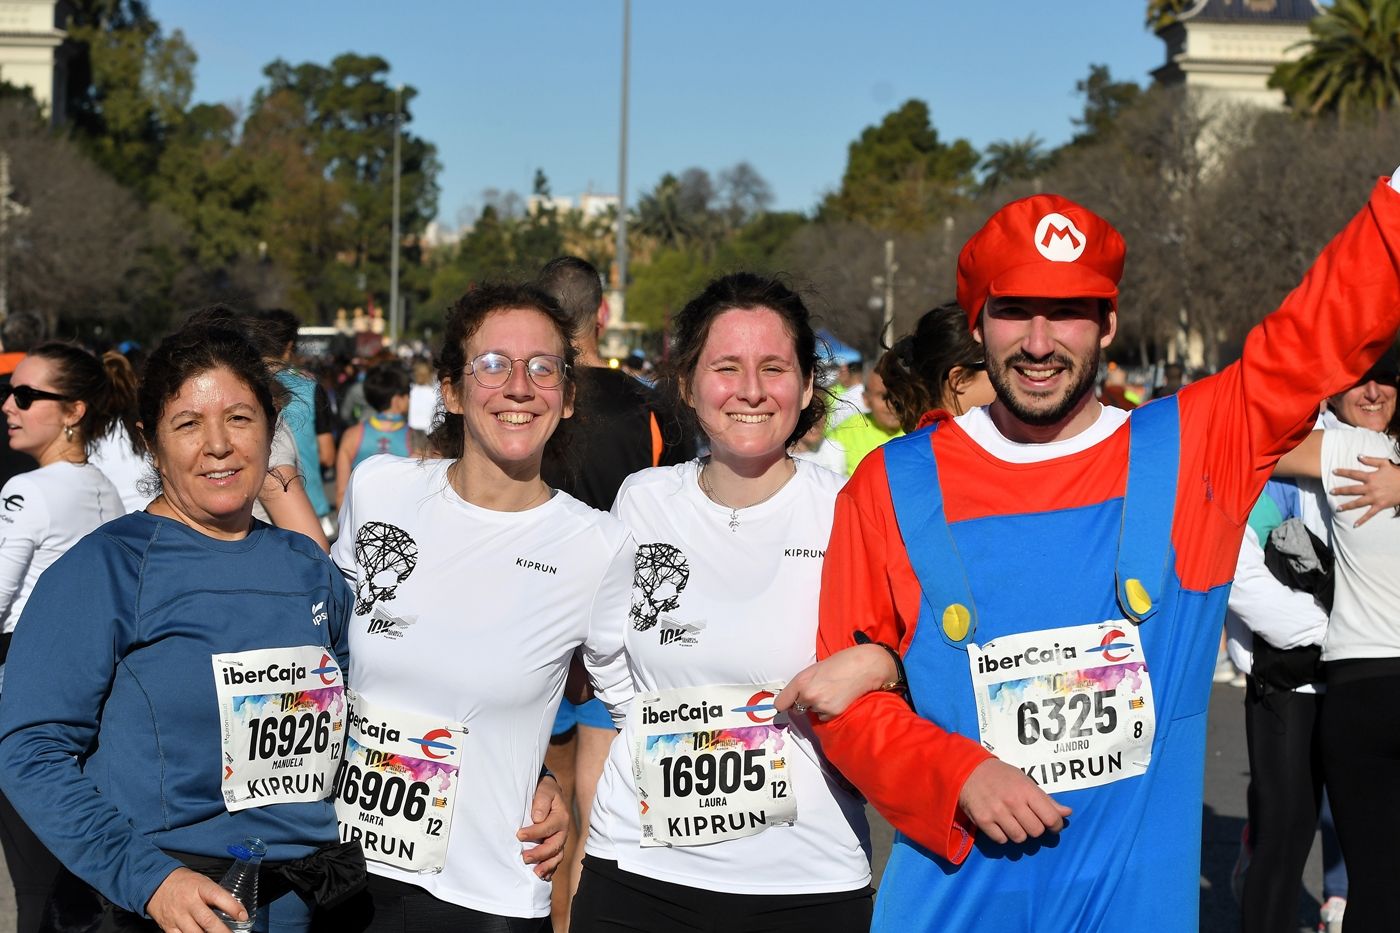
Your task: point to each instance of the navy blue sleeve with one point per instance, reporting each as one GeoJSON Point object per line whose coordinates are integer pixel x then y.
{"type": "Point", "coordinates": [75, 629]}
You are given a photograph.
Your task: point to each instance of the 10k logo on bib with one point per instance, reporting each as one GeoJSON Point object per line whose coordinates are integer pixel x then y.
{"type": "Point", "coordinates": [711, 764]}
{"type": "Point", "coordinates": [1071, 707]}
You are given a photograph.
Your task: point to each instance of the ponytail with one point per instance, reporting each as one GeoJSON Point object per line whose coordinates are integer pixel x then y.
{"type": "Point", "coordinates": [123, 384]}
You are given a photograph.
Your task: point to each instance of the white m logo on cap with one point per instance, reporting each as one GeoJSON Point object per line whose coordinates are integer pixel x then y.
{"type": "Point", "coordinates": [1058, 239]}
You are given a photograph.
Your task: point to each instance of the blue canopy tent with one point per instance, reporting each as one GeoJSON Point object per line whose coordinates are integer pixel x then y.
{"type": "Point", "coordinates": [834, 351]}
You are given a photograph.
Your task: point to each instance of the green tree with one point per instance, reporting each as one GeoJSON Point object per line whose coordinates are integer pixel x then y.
{"type": "Point", "coordinates": [349, 116]}
{"type": "Point", "coordinates": [1105, 100]}
{"type": "Point", "coordinates": [1351, 65]}
{"type": "Point", "coordinates": [127, 86]}
{"type": "Point", "coordinates": [900, 175]}
{"type": "Point", "coordinates": [1013, 160]}
{"type": "Point", "coordinates": [1164, 12]}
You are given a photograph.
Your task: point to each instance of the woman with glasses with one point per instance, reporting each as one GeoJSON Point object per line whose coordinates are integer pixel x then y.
{"type": "Point", "coordinates": [59, 402]}
{"type": "Point", "coordinates": [715, 811]}
{"type": "Point", "coordinates": [475, 582]}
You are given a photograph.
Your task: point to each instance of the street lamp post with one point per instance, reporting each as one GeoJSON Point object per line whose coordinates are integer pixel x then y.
{"type": "Point", "coordinates": [394, 245]}
{"type": "Point", "coordinates": [622, 155]}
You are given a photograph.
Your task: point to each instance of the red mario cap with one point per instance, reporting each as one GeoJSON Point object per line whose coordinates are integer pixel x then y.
{"type": "Point", "coordinates": [1044, 246]}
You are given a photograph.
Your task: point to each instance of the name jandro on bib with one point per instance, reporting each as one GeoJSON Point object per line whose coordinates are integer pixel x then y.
{"type": "Point", "coordinates": [1071, 707]}
{"type": "Point", "coordinates": [711, 764]}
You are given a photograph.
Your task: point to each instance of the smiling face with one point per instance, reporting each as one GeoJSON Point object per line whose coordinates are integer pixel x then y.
{"type": "Point", "coordinates": [508, 427]}
{"type": "Point", "coordinates": [1369, 404]}
{"type": "Point", "coordinates": [38, 431]}
{"type": "Point", "coordinates": [747, 388]}
{"type": "Point", "coordinates": [212, 444]}
{"type": "Point", "coordinates": [1043, 355]}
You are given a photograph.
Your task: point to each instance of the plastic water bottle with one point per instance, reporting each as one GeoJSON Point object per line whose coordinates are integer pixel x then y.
{"type": "Point", "coordinates": [241, 880]}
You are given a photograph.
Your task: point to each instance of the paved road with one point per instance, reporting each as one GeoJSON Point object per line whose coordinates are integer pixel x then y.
{"type": "Point", "coordinates": [1227, 772]}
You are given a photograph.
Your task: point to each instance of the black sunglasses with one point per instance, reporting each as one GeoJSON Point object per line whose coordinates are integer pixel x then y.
{"type": "Point", "coordinates": [28, 395]}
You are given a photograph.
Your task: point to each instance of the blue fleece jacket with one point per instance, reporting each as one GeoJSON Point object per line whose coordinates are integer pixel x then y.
{"type": "Point", "coordinates": [109, 724]}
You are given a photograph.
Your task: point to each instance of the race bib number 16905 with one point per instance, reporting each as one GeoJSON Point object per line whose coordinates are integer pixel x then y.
{"type": "Point", "coordinates": [711, 763]}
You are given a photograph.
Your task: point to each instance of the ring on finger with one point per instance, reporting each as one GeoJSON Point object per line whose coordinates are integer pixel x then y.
{"type": "Point", "coordinates": [801, 707]}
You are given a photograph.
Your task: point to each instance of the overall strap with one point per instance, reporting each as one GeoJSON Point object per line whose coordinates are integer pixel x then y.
{"type": "Point", "coordinates": [1149, 503]}
{"type": "Point", "coordinates": [912, 473]}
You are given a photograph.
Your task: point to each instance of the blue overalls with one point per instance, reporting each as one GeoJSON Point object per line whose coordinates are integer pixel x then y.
{"type": "Point", "coordinates": [1129, 856]}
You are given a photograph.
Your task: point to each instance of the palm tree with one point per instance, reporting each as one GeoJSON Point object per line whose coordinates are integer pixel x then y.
{"type": "Point", "coordinates": [1013, 160]}
{"type": "Point", "coordinates": [1352, 62]}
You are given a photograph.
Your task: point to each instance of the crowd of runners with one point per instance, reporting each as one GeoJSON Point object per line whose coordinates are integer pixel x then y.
{"type": "Point", "coordinates": [559, 647]}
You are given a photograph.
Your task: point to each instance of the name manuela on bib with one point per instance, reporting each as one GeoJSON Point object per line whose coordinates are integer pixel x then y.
{"type": "Point", "coordinates": [711, 763]}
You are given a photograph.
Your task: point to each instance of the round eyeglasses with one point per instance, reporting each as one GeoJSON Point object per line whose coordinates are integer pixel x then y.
{"type": "Point", "coordinates": [493, 370]}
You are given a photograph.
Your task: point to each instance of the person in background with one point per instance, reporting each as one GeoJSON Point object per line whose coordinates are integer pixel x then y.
{"type": "Point", "coordinates": [132, 760]}
{"type": "Point", "coordinates": [938, 366]}
{"type": "Point", "coordinates": [60, 399]}
{"type": "Point", "coordinates": [384, 430]}
{"type": "Point", "coordinates": [618, 428]}
{"type": "Point", "coordinates": [424, 398]}
{"type": "Point", "coordinates": [118, 453]}
{"type": "Point", "coordinates": [307, 415]}
{"type": "Point", "coordinates": [1173, 378]}
{"type": "Point", "coordinates": [861, 433]}
{"type": "Point", "coordinates": [19, 333]}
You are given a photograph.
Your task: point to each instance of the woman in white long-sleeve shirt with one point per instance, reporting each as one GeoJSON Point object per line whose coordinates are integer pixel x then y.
{"type": "Point", "coordinates": [60, 400]}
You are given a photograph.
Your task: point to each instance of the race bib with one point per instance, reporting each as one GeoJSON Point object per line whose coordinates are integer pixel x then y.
{"type": "Point", "coordinates": [397, 787]}
{"type": "Point", "coordinates": [281, 712]}
{"type": "Point", "coordinates": [711, 763]}
{"type": "Point", "coordinates": [1071, 707]}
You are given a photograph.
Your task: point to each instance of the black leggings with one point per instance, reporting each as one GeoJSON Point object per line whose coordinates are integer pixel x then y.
{"type": "Point", "coordinates": [1361, 748]}
{"type": "Point", "coordinates": [389, 906]}
{"type": "Point", "coordinates": [33, 869]}
{"type": "Point", "coordinates": [611, 900]}
{"type": "Point", "coordinates": [1283, 731]}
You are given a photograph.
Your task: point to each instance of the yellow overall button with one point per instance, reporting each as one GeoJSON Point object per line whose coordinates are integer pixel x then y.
{"type": "Point", "coordinates": [1138, 600]}
{"type": "Point", "coordinates": [956, 619]}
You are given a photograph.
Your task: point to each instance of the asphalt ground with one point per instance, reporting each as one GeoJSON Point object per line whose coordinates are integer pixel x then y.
{"type": "Point", "coordinates": [1226, 778]}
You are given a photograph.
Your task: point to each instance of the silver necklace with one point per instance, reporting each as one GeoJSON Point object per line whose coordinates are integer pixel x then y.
{"type": "Point", "coordinates": [709, 492]}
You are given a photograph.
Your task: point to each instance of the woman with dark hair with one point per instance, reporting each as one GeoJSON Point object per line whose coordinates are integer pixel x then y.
{"type": "Point", "coordinates": [175, 685]}
{"type": "Point", "coordinates": [60, 400]}
{"type": "Point", "coordinates": [1359, 723]}
{"type": "Point", "coordinates": [475, 583]}
{"type": "Point", "coordinates": [939, 365]}
{"type": "Point", "coordinates": [714, 810]}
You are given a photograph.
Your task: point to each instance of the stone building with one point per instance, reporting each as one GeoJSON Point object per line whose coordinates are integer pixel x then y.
{"type": "Point", "coordinates": [31, 40]}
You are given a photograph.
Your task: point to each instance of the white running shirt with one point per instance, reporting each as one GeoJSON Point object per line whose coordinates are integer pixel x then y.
{"type": "Point", "coordinates": [1365, 620]}
{"type": "Point", "coordinates": [753, 593]}
{"type": "Point", "coordinates": [42, 514]}
{"type": "Point", "coordinates": [476, 614]}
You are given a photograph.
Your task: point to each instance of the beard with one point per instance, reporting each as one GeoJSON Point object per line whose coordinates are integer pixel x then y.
{"type": "Point", "coordinates": [1043, 410]}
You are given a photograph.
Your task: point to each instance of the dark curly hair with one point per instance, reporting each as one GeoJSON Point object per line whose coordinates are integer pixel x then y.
{"type": "Point", "coordinates": [917, 369]}
{"type": "Point", "coordinates": [464, 318]}
{"type": "Point", "coordinates": [746, 290]}
{"type": "Point", "coordinates": [196, 349]}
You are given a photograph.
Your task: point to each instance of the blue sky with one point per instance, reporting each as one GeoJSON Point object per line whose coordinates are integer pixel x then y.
{"type": "Point", "coordinates": [505, 87]}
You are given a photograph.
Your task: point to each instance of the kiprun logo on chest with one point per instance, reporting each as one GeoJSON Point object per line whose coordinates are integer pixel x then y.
{"type": "Point", "coordinates": [804, 552]}
{"type": "Point", "coordinates": [541, 566]}
{"type": "Point", "coordinates": [273, 674]}
{"type": "Point", "coordinates": [1032, 656]}
{"type": "Point", "coordinates": [687, 714]}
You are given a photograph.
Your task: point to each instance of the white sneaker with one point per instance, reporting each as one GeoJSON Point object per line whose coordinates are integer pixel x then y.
{"type": "Point", "coordinates": [1330, 917]}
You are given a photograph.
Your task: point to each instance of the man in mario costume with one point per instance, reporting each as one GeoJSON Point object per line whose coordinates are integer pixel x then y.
{"type": "Point", "coordinates": [1053, 574]}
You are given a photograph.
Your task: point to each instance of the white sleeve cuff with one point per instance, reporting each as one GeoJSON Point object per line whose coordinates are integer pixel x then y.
{"type": "Point", "coordinates": [1395, 179]}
